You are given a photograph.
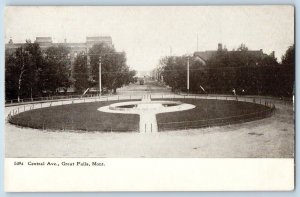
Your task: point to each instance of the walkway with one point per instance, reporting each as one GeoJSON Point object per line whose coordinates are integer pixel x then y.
{"type": "Point", "coordinates": [148, 122]}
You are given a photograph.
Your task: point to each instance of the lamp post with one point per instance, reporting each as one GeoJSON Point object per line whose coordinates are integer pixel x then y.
{"type": "Point", "coordinates": [100, 65]}
{"type": "Point", "coordinates": [100, 80]}
{"type": "Point", "coordinates": [188, 76]}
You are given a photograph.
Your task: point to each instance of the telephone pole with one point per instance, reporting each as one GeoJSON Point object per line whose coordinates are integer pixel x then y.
{"type": "Point", "coordinates": [100, 67]}
{"type": "Point", "coordinates": [197, 43]}
{"type": "Point", "coordinates": [100, 80]}
{"type": "Point", "coordinates": [188, 75]}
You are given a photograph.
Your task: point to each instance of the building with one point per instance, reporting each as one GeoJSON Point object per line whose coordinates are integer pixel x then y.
{"type": "Point", "coordinates": [90, 41]}
{"type": "Point", "coordinates": [74, 47]}
{"type": "Point", "coordinates": [204, 56]}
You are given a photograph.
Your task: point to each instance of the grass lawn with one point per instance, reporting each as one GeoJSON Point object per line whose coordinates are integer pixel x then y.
{"type": "Point", "coordinates": [82, 116]}
{"type": "Point", "coordinates": [209, 112]}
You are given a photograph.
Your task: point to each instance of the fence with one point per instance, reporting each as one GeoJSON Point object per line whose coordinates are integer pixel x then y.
{"type": "Point", "coordinates": [22, 107]}
{"type": "Point", "coordinates": [23, 101]}
{"type": "Point", "coordinates": [65, 125]}
{"type": "Point", "coordinates": [216, 121]}
{"type": "Point", "coordinates": [45, 99]}
{"type": "Point", "coordinates": [268, 102]}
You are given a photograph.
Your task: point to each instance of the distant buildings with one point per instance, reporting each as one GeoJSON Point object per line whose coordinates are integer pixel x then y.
{"type": "Point", "coordinates": [75, 47]}
{"type": "Point", "coordinates": [143, 73]}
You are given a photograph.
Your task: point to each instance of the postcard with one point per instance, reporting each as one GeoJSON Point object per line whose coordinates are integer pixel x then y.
{"type": "Point", "coordinates": [149, 98]}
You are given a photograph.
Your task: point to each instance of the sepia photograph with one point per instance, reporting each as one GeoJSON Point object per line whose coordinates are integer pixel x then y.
{"type": "Point", "coordinates": [198, 82]}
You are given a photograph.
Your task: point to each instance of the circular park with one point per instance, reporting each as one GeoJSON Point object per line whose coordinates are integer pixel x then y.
{"type": "Point", "coordinates": [146, 115]}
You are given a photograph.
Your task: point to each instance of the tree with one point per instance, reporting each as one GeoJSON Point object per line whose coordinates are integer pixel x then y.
{"type": "Point", "coordinates": [80, 73]}
{"type": "Point", "coordinates": [97, 53]}
{"type": "Point", "coordinates": [289, 57]}
{"type": "Point", "coordinates": [250, 72]}
{"type": "Point", "coordinates": [11, 78]}
{"type": "Point", "coordinates": [131, 77]}
{"type": "Point", "coordinates": [114, 71]}
{"type": "Point", "coordinates": [56, 71]}
{"type": "Point", "coordinates": [23, 70]}
{"type": "Point", "coordinates": [287, 72]}
{"type": "Point", "coordinates": [174, 72]}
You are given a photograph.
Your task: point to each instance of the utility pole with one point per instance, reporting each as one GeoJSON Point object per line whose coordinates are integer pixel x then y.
{"type": "Point", "coordinates": [100, 79]}
{"type": "Point", "coordinates": [188, 75]}
{"type": "Point", "coordinates": [100, 88]}
{"type": "Point", "coordinates": [87, 60]}
{"type": "Point", "coordinates": [197, 43]}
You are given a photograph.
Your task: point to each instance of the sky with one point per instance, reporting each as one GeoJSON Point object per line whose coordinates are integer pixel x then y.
{"type": "Point", "coordinates": [147, 34]}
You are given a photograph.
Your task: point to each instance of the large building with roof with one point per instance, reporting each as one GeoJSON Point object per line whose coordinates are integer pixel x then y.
{"type": "Point", "coordinates": [205, 56]}
{"type": "Point", "coordinates": [74, 47]}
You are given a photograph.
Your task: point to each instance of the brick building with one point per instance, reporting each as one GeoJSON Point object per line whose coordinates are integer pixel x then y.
{"type": "Point", "coordinates": [74, 47]}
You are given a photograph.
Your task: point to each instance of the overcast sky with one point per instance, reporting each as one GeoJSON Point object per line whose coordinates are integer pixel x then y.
{"type": "Point", "coordinates": [148, 33]}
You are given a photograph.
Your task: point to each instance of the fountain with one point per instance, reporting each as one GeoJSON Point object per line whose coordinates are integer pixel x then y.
{"type": "Point", "coordinates": [147, 109]}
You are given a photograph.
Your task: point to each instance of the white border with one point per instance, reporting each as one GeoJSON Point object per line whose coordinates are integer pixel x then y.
{"type": "Point", "coordinates": [151, 175]}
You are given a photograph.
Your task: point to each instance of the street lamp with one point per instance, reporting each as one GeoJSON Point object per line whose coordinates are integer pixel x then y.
{"type": "Point", "coordinates": [188, 76]}
{"type": "Point", "coordinates": [100, 63]}
{"type": "Point", "coordinates": [188, 72]}
{"type": "Point", "coordinates": [100, 80]}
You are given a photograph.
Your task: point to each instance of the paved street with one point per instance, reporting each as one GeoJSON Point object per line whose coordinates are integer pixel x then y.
{"type": "Point", "coordinates": [271, 137]}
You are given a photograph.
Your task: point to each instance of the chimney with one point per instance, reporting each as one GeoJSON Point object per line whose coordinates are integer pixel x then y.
{"type": "Point", "coordinates": [261, 50]}
{"type": "Point", "coordinates": [10, 41]}
{"type": "Point", "coordinates": [273, 54]}
{"type": "Point", "coordinates": [65, 40]}
{"type": "Point", "coordinates": [220, 47]}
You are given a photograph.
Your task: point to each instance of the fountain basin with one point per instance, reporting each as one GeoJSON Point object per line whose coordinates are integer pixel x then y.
{"type": "Point", "coordinates": [138, 107]}
{"type": "Point", "coordinates": [147, 110]}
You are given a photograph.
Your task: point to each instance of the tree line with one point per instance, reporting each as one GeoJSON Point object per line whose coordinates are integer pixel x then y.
{"type": "Point", "coordinates": [242, 70]}
{"type": "Point", "coordinates": [31, 72]}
